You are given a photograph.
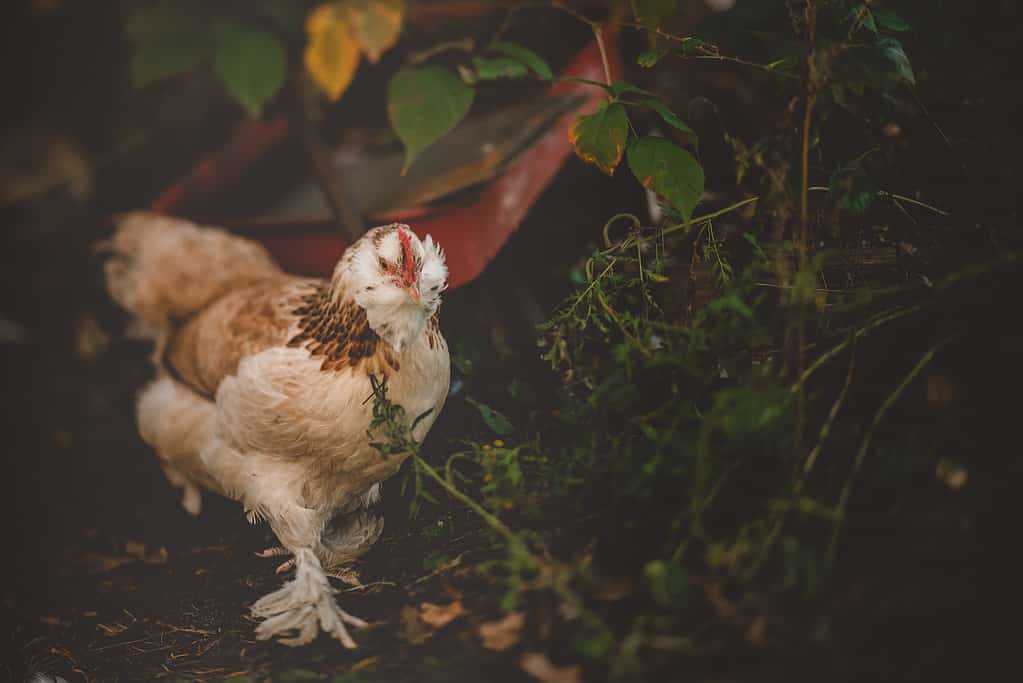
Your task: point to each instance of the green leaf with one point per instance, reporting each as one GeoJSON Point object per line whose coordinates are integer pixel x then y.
{"type": "Point", "coordinates": [888, 19]}
{"type": "Point", "coordinates": [668, 116]}
{"type": "Point", "coordinates": [853, 190]}
{"type": "Point", "coordinates": [668, 170]}
{"type": "Point", "coordinates": [652, 13]}
{"type": "Point", "coordinates": [494, 68]}
{"type": "Point", "coordinates": [169, 38]}
{"type": "Point", "coordinates": [495, 420]}
{"type": "Point", "coordinates": [867, 21]}
{"type": "Point", "coordinates": [252, 64]}
{"type": "Point", "coordinates": [599, 138]}
{"type": "Point", "coordinates": [425, 103]}
{"type": "Point", "coordinates": [691, 46]}
{"type": "Point", "coordinates": [896, 56]}
{"type": "Point", "coordinates": [650, 58]}
{"type": "Point", "coordinates": [668, 582]}
{"type": "Point", "coordinates": [619, 88]}
{"type": "Point", "coordinates": [524, 55]}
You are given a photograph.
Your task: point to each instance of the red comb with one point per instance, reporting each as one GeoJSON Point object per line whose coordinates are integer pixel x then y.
{"type": "Point", "coordinates": [409, 262]}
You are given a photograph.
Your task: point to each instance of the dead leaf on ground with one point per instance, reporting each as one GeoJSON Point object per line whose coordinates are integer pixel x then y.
{"type": "Point", "coordinates": [439, 616]}
{"type": "Point", "coordinates": [419, 624]}
{"type": "Point", "coordinates": [97, 563]}
{"type": "Point", "coordinates": [502, 634]}
{"type": "Point", "coordinates": [539, 667]}
{"type": "Point", "coordinates": [366, 663]}
{"type": "Point", "coordinates": [138, 551]}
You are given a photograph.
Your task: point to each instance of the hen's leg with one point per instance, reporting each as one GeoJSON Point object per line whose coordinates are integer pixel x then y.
{"type": "Point", "coordinates": [345, 540]}
{"type": "Point", "coordinates": [306, 604]}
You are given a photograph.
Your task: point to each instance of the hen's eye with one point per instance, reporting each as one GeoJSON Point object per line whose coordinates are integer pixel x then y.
{"type": "Point", "coordinates": [384, 265]}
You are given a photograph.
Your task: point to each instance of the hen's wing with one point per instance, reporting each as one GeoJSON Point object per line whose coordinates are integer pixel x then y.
{"type": "Point", "coordinates": [209, 347]}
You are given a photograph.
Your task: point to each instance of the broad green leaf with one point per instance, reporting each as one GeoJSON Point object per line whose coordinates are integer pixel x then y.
{"type": "Point", "coordinates": [524, 55]}
{"type": "Point", "coordinates": [888, 19]}
{"type": "Point", "coordinates": [493, 68]}
{"type": "Point", "coordinates": [668, 170]}
{"type": "Point", "coordinates": [423, 104]}
{"type": "Point", "coordinates": [169, 38]}
{"type": "Point", "coordinates": [896, 55]}
{"type": "Point", "coordinates": [495, 420]}
{"type": "Point", "coordinates": [376, 23]}
{"type": "Point", "coordinates": [668, 116]}
{"type": "Point", "coordinates": [652, 13]}
{"type": "Point", "coordinates": [600, 137]}
{"type": "Point", "coordinates": [252, 64]}
{"type": "Point", "coordinates": [332, 53]}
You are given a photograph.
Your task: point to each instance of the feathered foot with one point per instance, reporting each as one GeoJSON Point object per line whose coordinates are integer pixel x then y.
{"type": "Point", "coordinates": [305, 604]}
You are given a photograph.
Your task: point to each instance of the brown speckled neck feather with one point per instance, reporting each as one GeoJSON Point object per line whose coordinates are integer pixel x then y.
{"type": "Point", "coordinates": [337, 331]}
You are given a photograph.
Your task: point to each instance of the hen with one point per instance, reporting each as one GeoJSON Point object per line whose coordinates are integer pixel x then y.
{"type": "Point", "coordinates": [263, 385]}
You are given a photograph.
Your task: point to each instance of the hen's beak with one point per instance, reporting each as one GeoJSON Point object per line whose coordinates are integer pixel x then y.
{"type": "Point", "coordinates": [413, 292]}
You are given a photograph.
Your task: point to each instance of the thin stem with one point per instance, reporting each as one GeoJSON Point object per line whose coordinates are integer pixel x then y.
{"type": "Point", "coordinates": [861, 455]}
{"type": "Point", "coordinates": [466, 44]}
{"type": "Point", "coordinates": [598, 34]}
{"type": "Point", "coordinates": [514, 542]}
{"type": "Point", "coordinates": [824, 358]}
{"type": "Point", "coordinates": [832, 414]}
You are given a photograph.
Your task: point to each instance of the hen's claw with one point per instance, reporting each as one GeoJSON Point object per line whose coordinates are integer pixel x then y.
{"type": "Point", "coordinates": [279, 551]}
{"type": "Point", "coordinates": [304, 605]}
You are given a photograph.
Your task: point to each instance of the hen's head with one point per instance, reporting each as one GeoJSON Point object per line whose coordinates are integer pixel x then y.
{"type": "Point", "coordinates": [397, 278]}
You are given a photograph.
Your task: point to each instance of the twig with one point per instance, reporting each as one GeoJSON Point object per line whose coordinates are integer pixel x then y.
{"type": "Point", "coordinates": [832, 414]}
{"type": "Point", "coordinates": [349, 224]}
{"type": "Point", "coordinates": [863, 331]}
{"type": "Point", "coordinates": [927, 115]}
{"type": "Point", "coordinates": [466, 44]}
{"type": "Point", "coordinates": [514, 542]}
{"type": "Point", "coordinates": [804, 207]}
{"type": "Point", "coordinates": [861, 455]}
{"type": "Point", "coordinates": [598, 34]}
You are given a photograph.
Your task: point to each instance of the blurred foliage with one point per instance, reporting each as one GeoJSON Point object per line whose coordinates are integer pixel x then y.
{"type": "Point", "coordinates": [711, 446]}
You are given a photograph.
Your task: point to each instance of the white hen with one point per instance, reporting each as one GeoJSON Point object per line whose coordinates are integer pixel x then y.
{"type": "Point", "coordinates": [263, 381]}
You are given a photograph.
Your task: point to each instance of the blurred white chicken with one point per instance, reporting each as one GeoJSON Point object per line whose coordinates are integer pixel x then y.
{"type": "Point", "coordinates": [263, 386]}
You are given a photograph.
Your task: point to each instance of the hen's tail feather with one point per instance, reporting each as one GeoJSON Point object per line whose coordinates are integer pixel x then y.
{"type": "Point", "coordinates": [163, 269]}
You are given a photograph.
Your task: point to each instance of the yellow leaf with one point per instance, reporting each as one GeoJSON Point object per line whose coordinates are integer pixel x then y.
{"type": "Point", "coordinates": [376, 23]}
{"type": "Point", "coordinates": [332, 54]}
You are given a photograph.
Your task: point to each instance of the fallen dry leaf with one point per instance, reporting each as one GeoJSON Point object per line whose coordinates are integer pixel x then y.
{"type": "Point", "coordinates": [96, 563]}
{"type": "Point", "coordinates": [502, 634]}
{"type": "Point", "coordinates": [539, 667]}
{"type": "Point", "coordinates": [439, 616]}
{"type": "Point", "coordinates": [366, 663]}
{"type": "Point", "coordinates": [418, 624]}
